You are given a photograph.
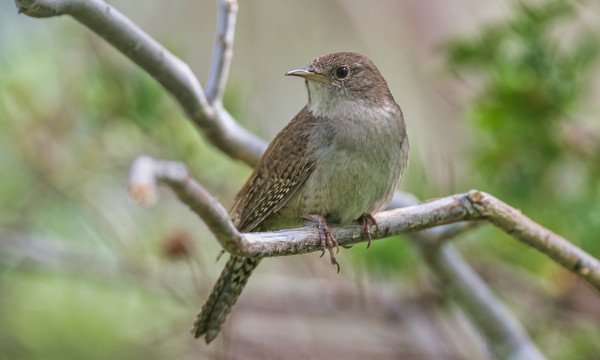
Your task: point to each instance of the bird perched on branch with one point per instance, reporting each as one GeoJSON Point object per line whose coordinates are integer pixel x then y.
{"type": "Point", "coordinates": [339, 160]}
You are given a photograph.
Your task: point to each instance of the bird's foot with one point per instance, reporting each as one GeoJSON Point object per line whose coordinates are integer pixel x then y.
{"type": "Point", "coordinates": [367, 220]}
{"type": "Point", "coordinates": [327, 239]}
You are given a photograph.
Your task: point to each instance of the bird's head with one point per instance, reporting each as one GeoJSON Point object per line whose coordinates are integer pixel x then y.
{"type": "Point", "coordinates": [343, 79]}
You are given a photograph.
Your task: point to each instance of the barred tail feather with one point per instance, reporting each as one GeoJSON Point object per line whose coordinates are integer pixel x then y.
{"type": "Point", "coordinates": [223, 296]}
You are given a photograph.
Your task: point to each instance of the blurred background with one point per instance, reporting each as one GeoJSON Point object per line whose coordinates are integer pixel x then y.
{"type": "Point", "coordinates": [501, 96]}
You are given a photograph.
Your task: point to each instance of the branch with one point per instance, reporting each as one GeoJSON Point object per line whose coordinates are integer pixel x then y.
{"type": "Point", "coordinates": [470, 206]}
{"type": "Point", "coordinates": [173, 74]}
{"type": "Point", "coordinates": [433, 237]}
{"type": "Point", "coordinates": [223, 51]}
{"type": "Point", "coordinates": [146, 172]}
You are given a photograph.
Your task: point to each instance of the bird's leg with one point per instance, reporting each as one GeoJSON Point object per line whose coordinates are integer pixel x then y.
{"type": "Point", "coordinates": [327, 239]}
{"type": "Point", "coordinates": [367, 220]}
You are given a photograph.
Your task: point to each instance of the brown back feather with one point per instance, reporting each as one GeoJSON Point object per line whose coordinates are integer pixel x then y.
{"type": "Point", "coordinates": [275, 178]}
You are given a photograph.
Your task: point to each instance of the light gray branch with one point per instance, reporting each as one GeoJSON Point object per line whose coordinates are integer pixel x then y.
{"type": "Point", "coordinates": [223, 50]}
{"type": "Point", "coordinates": [474, 205]}
{"type": "Point", "coordinates": [172, 73]}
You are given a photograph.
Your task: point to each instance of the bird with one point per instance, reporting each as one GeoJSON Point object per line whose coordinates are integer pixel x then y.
{"type": "Point", "coordinates": [338, 161]}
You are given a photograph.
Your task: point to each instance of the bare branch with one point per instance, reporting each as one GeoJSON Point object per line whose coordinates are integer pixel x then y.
{"type": "Point", "coordinates": [223, 51]}
{"type": "Point", "coordinates": [519, 226]}
{"type": "Point", "coordinates": [146, 172]}
{"type": "Point", "coordinates": [470, 206]}
{"type": "Point", "coordinates": [172, 73]}
{"type": "Point", "coordinates": [435, 236]}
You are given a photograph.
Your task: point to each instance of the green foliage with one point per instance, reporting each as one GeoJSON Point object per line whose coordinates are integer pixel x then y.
{"type": "Point", "coordinates": [388, 258]}
{"type": "Point", "coordinates": [530, 84]}
{"type": "Point", "coordinates": [102, 321]}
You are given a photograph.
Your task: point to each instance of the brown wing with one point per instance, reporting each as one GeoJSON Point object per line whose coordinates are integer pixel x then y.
{"type": "Point", "coordinates": [280, 172]}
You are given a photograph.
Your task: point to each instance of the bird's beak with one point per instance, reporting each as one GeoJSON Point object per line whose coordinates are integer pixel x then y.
{"type": "Point", "coordinates": [308, 74]}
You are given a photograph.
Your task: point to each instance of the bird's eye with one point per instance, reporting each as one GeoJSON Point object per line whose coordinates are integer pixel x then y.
{"type": "Point", "coordinates": [342, 72]}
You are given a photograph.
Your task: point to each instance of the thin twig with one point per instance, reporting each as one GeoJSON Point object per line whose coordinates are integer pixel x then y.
{"type": "Point", "coordinates": [172, 73]}
{"type": "Point", "coordinates": [470, 206]}
{"type": "Point", "coordinates": [223, 50]}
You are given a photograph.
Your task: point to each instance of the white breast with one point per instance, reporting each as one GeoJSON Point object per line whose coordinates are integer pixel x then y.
{"type": "Point", "coordinates": [359, 162]}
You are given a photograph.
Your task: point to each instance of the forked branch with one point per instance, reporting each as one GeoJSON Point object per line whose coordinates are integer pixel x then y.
{"type": "Point", "coordinates": [471, 206]}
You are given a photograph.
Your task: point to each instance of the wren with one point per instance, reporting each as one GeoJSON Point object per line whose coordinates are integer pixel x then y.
{"type": "Point", "coordinates": [339, 160]}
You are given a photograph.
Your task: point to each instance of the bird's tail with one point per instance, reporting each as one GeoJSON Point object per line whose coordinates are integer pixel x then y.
{"type": "Point", "coordinates": [223, 296]}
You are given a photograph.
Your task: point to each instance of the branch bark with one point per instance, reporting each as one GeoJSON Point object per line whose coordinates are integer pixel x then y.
{"type": "Point", "coordinates": [471, 206]}
{"type": "Point", "coordinates": [174, 75]}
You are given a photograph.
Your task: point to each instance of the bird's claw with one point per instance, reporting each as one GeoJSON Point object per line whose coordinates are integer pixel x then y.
{"type": "Point", "coordinates": [367, 220]}
{"type": "Point", "coordinates": [327, 239]}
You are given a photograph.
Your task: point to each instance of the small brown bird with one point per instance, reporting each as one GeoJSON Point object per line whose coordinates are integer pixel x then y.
{"type": "Point", "coordinates": [338, 161]}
